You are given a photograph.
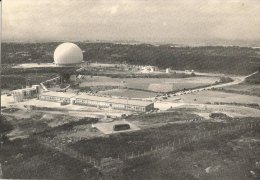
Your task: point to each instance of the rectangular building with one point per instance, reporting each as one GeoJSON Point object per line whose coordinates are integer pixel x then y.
{"type": "Point", "coordinates": [98, 101]}
{"type": "Point", "coordinates": [56, 96]}
{"type": "Point", "coordinates": [26, 93]}
{"type": "Point", "coordinates": [131, 105]}
{"type": "Point", "coordinates": [121, 104]}
{"type": "Point", "coordinates": [88, 100]}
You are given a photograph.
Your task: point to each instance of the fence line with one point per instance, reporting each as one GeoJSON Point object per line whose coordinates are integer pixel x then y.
{"type": "Point", "coordinates": [68, 151]}
{"type": "Point", "coordinates": [181, 142]}
{"type": "Point", "coordinates": [153, 150]}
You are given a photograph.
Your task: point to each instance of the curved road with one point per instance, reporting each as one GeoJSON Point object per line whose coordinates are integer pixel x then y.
{"type": "Point", "coordinates": [236, 80]}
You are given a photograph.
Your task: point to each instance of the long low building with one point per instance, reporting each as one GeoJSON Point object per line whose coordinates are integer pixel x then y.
{"type": "Point", "coordinates": [56, 96]}
{"type": "Point", "coordinates": [88, 100]}
{"type": "Point", "coordinates": [131, 105]}
{"type": "Point", "coordinates": [121, 104]}
{"type": "Point", "coordinates": [98, 101]}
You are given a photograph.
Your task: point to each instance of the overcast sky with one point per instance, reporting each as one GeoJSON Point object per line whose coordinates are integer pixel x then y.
{"type": "Point", "coordinates": [140, 20]}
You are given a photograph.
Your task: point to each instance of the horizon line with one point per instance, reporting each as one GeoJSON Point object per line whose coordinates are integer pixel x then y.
{"type": "Point", "coordinates": [237, 43]}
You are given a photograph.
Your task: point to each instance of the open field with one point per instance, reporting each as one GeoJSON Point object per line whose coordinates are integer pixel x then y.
{"type": "Point", "coordinates": [27, 159]}
{"type": "Point", "coordinates": [227, 157]}
{"type": "Point", "coordinates": [243, 88]}
{"type": "Point", "coordinates": [229, 147]}
{"type": "Point", "coordinates": [230, 110]}
{"type": "Point", "coordinates": [23, 157]}
{"type": "Point", "coordinates": [27, 123]}
{"type": "Point", "coordinates": [205, 97]}
{"type": "Point", "coordinates": [63, 127]}
{"type": "Point", "coordinates": [119, 144]}
{"type": "Point", "coordinates": [145, 83]}
{"type": "Point", "coordinates": [128, 93]}
{"type": "Point", "coordinates": [93, 84]}
{"type": "Point", "coordinates": [159, 119]}
{"type": "Point", "coordinates": [232, 156]}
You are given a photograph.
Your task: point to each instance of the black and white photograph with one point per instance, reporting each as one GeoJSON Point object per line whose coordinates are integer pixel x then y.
{"type": "Point", "coordinates": [130, 89]}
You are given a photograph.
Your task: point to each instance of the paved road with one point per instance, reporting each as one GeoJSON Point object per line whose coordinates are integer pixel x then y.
{"type": "Point", "coordinates": [165, 104]}
{"type": "Point", "coordinates": [236, 80]}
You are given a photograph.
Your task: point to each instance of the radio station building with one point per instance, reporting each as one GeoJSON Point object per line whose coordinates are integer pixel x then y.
{"type": "Point", "coordinates": [98, 101]}
{"type": "Point", "coordinates": [120, 104]}
{"type": "Point", "coordinates": [88, 100]}
{"type": "Point", "coordinates": [56, 96]}
{"type": "Point", "coordinates": [131, 105]}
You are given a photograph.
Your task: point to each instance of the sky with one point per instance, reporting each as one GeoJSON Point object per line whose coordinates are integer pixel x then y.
{"type": "Point", "coordinates": [180, 21]}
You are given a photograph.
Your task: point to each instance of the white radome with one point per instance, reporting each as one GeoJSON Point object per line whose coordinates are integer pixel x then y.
{"type": "Point", "coordinates": [68, 54]}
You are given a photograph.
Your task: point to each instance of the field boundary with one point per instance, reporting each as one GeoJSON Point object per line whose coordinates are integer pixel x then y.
{"type": "Point", "coordinates": [181, 142]}
{"type": "Point", "coordinates": [108, 164]}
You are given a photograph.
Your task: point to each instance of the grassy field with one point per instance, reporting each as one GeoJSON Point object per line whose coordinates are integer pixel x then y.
{"type": "Point", "coordinates": [27, 159]}
{"type": "Point", "coordinates": [163, 118]}
{"type": "Point", "coordinates": [217, 96]}
{"type": "Point", "coordinates": [126, 143]}
{"type": "Point", "coordinates": [229, 157]}
{"type": "Point", "coordinates": [204, 110]}
{"type": "Point", "coordinates": [163, 130]}
{"type": "Point", "coordinates": [128, 93]}
{"type": "Point", "coordinates": [244, 88]}
{"type": "Point", "coordinates": [187, 163]}
{"type": "Point", "coordinates": [23, 157]}
{"type": "Point", "coordinates": [145, 83]}
{"type": "Point", "coordinates": [25, 123]}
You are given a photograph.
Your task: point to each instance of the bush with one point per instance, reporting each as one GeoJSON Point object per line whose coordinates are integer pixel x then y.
{"type": "Point", "coordinates": [5, 126]}
{"type": "Point", "coordinates": [225, 79]}
{"type": "Point", "coordinates": [219, 116]}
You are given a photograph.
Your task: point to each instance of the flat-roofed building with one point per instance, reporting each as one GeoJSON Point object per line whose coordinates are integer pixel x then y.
{"type": "Point", "coordinates": [88, 100]}
{"type": "Point", "coordinates": [131, 105]}
{"type": "Point", "coordinates": [98, 101]}
{"type": "Point", "coordinates": [121, 104]}
{"type": "Point", "coordinates": [56, 96]}
{"type": "Point", "coordinates": [26, 93]}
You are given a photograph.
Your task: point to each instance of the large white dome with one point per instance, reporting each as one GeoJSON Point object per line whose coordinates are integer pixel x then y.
{"type": "Point", "coordinates": [68, 53]}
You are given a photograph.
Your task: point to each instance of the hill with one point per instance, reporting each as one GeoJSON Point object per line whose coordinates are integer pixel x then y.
{"type": "Point", "coordinates": [231, 60]}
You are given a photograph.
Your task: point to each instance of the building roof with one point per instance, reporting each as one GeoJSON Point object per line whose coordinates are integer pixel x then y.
{"type": "Point", "coordinates": [130, 102]}
{"type": "Point", "coordinates": [99, 98]}
{"type": "Point", "coordinates": [24, 89]}
{"type": "Point", "coordinates": [58, 94]}
{"type": "Point", "coordinates": [114, 100]}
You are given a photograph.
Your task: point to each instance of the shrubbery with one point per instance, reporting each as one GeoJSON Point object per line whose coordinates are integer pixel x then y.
{"type": "Point", "coordinates": [5, 126]}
